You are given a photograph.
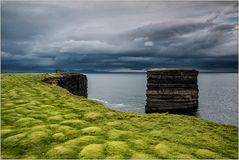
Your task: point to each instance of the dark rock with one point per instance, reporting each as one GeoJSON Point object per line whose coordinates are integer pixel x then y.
{"type": "Point", "coordinates": [171, 90]}
{"type": "Point", "coordinates": [75, 83]}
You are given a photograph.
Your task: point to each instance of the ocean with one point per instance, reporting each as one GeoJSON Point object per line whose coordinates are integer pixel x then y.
{"type": "Point", "coordinates": [218, 94]}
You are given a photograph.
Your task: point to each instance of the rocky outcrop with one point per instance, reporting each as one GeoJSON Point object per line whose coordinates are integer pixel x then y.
{"type": "Point", "coordinates": [171, 90]}
{"type": "Point", "coordinates": [75, 83]}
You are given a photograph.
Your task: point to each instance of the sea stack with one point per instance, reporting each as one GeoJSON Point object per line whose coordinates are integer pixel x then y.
{"type": "Point", "coordinates": [171, 90]}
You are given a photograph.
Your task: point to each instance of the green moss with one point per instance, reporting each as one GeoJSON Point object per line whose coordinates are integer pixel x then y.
{"type": "Point", "coordinates": [90, 139]}
{"type": "Point", "coordinates": [75, 123]}
{"type": "Point", "coordinates": [93, 116]}
{"type": "Point", "coordinates": [13, 140]}
{"type": "Point", "coordinates": [64, 128]}
{"type": "Point", "coordinates": [71, 116]}
{"type": "Point", "coordinates": [6, 132]}
{"type": "Point", "coordinates": [184, 156]}
{"type": "Point", "coordinates": [35, 138]}
{"type": "Point", "coordinates": [40, 128]}
{"type": "Point", "coordinates": [92, 131]}
{"type": "Point", "coordinates": [19, 101]}
{"type": "Point", "coordinates": [52, 113]}
{"type": "Point", "coordinates": [59, 137]}
{"type": "Point", "coordinates": [68, 131]}
{"type": "Point", "coordinates": [30, 157]}
{"type": "Point", "coordinates": [8, 156]}
{"type": "Point", "coordinates": [118, 134]}
{"type": "Point", "coordinates": [54, 126]}
{"type": "Point", "coordinates": [115, 123]}
{"type": "Point", "coordinates": [61, 152]}
{"type": "Point", "coordinates": [206, 154]}
{"type": "Point", "coordinates": [115, 148]}
{"type": "Point", "coordinates": [115, 157]}
{"type": "Point", "coordinates": [110, 114]}
{"type": "Point", "coordinates": [162, 150]}
{"type": "Point", "coordinates": [38, 116]}
{"type": "Point", "coordinates": [139, 144]}
{"type": "Point", "coordinates": [73, 143]}
{"type": "Point", "coordinates": [22, 110]}
{"type": "Point", "coordinates": [139, 155]}
{"type": "Point", "coordinates": [55, 119]}
{"type": "Point", "coordinates": [27, 122]}
{"type": "Point", "coordinates": [156, 133]}
{"type": "Point", "coordinates": [92, 151]}
{"type": "Point", "coordinates": [43, 121]}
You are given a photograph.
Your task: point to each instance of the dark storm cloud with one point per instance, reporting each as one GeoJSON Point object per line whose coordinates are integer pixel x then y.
{"type": "Point", "coordinates": [118, 36]}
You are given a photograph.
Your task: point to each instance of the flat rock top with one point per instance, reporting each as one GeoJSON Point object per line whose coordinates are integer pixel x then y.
{"type": "Point", "coordinates": [71, 74]}
{"type": "Point", "coordinates": [172, 70]}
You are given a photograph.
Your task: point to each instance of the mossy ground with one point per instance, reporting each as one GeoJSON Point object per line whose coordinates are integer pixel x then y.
{"type": "Point", "coordinates": [45, 121]}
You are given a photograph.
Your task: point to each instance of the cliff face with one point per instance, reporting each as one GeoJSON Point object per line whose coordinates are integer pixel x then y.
{"type": "Point", "coordinates": [171, 90]}
{"type": "Point", "coordinates": [75, 83]}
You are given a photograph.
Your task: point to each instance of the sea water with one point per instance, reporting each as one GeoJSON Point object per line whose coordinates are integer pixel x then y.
{"type": "Point", "coordinates": [218, 93]}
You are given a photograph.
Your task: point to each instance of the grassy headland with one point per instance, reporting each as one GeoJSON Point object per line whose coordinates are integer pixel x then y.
{"type": "Point", "coordinates": [44, 121]}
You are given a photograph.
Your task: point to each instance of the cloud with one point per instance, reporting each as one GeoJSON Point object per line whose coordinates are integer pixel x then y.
{"type": "Point", "coordinates": [12, 60]}
{"type": "Point", "coordinates": [118, 35]}
{"type": "Point", "coordinates": [134, 59]}
{"type": "Point", "coordinates": [73, 46]}
{"type": "Point", "coordinates": [140, 39]}
{"type": "Point", "coordinates": [149, 44]}
{"type": "Point", "coordinates": [80, 47]}
{"type": "Point", "coordinates": [85, 46]}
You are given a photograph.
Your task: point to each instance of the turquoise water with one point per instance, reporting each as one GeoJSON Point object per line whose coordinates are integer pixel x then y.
{"type": "Point", "coordinates": [218, 93]}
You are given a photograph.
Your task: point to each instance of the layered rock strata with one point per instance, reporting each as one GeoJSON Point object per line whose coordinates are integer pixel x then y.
{"type": "Point", "coordinates": [75, 83]}
{"type": "Point", "coordinates": [171, 90]}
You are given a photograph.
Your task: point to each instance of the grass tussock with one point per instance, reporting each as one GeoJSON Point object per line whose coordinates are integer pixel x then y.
{"type": "Point", "coordinates": [95, 151]}
{"type": "Point", "coordinates": [45, 121]}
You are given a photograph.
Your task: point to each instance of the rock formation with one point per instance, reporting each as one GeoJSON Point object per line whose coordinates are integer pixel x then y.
{"type": "Point", "coordinates": [171, 90]}
{"type": "Point", "coordinates": [75, 83]}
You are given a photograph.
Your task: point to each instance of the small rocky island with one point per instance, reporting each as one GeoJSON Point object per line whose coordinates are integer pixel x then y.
{"type": "Point", "coordinates": [172, 90]}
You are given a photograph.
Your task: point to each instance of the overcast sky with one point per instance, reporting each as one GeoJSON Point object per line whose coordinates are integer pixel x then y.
{"type": "Point", "coordinates": [117, 36]}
